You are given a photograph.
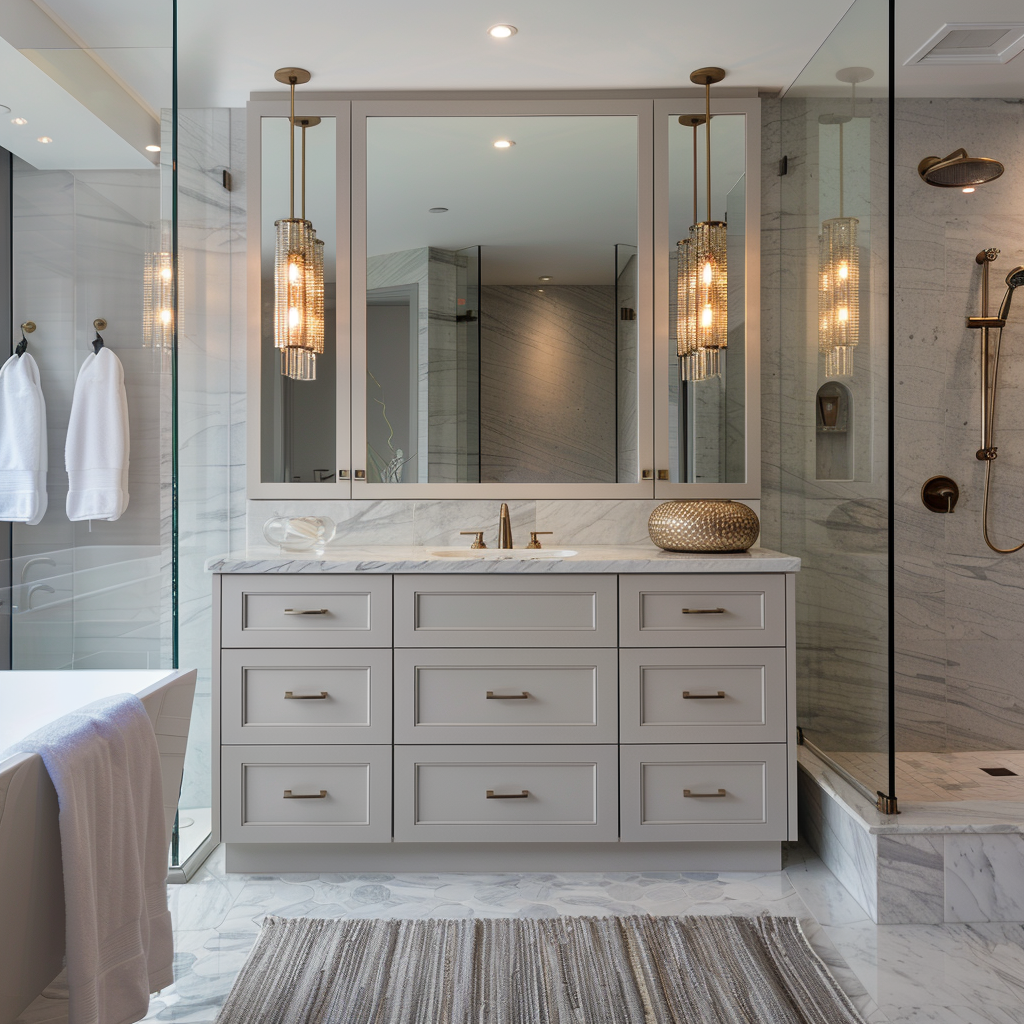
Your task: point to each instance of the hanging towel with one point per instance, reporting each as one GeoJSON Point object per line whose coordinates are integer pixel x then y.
{"type": "Point", "coordinates": [104, 762]}
{"type": "Point", "coordinates": [96, 451]}
{"type": "Point", "coordinates": [22, 442]}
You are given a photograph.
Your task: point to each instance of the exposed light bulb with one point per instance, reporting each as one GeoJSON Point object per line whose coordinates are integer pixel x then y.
{"type": "Point", "coordinates": [843, 314]}
{"type": "Point", "coordinates": [844, 271]}
{"type": "Point", "coordinates": [294, 274]}
{"type": "Point", "coordinates": [165, 316]}
{"type": "Point", "coordinates": [293, 317]}
{"type": "Point", "coordinates": [705, 317]}
{"type": "Point", "coordinates": [166, 273]}
{"type": "Point", "coordinates": [707, 274]}
{"type": "Point", "coordinates": [502, 31]}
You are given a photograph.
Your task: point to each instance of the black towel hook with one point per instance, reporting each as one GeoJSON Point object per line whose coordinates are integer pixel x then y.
{"type": "Point", "coordinates": [26, 328]}
{"type": "Point", "coordinates": [100, 325]}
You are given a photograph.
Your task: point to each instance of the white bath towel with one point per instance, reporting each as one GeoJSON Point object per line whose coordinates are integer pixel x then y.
{"type": "Point", "coordinates": [96, 451]}
{"type": "Point", "coordinates": [22, 442]}
{"type": "Point", "coordinates": [105, 765]}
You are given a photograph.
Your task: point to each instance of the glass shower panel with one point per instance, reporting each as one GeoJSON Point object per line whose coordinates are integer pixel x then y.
{"type": "Point", "coordinates": [829, 364]}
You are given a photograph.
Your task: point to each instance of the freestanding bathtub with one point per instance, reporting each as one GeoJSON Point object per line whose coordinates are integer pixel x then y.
{"type": "Point", "coordinates": [31, 881]}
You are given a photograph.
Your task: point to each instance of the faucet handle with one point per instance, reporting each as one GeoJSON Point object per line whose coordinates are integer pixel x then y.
{"type": "Point", "coordinates": [534, 544]}
{"type": "Point", "coordinates": [479, 535]}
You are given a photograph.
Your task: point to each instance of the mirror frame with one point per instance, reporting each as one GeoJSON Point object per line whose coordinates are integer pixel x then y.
{"type": "Point", "coordinates": [750, 489]}
{"type": "Point", "coordinates": [643, 111]}
{"type": "Point", "coordinates": [652, 113]}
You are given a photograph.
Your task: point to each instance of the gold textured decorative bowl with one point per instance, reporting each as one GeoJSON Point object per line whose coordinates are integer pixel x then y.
{"type": "Point", "coordinates": [699, 524]}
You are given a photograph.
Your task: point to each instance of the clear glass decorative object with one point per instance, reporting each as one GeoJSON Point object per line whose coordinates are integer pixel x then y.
{"type": "Point", "coordinates": [299, 533]}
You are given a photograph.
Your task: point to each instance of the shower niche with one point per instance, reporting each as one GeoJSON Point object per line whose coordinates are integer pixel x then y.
{"type": "Point", "coordinates": [833, 412]}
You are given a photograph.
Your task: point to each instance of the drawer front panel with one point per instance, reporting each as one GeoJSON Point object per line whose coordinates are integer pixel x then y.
{"type": "Point", "coordinates": [703, 611]}
{"type": "Point", "coordinates": [505, 794]}
{"type": "Point", "coordinates": [703, 695]}
{"type": "Point", "coordinates": [308, 794]}
{"type": "Point", "coordinates": [489, 611]}
{"type": "Point", "coordinates": [301, 611]}
{"type": "Point", "coordinates": [707, 793]}
{"type": "Point", "coordinates": [318, 696]}
{"type": "Point", "coordinates": [505, 696]}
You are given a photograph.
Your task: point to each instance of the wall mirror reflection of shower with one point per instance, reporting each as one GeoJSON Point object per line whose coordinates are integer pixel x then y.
{"type": "Point", "coordinates": [501, 300]}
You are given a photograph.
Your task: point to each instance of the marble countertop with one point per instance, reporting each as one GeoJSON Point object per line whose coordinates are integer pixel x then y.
{"type": "Point", "coordinates": [383, 559]}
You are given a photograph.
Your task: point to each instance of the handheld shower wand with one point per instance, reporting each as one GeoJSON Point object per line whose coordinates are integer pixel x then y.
{"type": "Point", "coordinates": [1014, 279]}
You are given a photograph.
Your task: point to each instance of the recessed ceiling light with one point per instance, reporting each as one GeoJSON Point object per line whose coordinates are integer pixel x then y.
{"type": "Point", "coordinates": [438, 209]}
{"type": "Point", "coordinates": [18, 120]}
{"type": "Point", "coordinates": [152, 149]}
{"type": "Point", "coordinates": [502, 31]}
{"type": "Point", "coordinates": [969, 189]}
{"type": "Point", "coordinates": [543, 278]}
{"type": "Point", "coordinates": [44, 138]}
{"type": "Point", "coordinates": [540, 291]}
{"type": "Point", "coordinates": [504, 144]}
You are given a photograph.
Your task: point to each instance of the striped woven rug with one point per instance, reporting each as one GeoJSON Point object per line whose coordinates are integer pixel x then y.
{"type": "Point", "coordinates": [584, 970]}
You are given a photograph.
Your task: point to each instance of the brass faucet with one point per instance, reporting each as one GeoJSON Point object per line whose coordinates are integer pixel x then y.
{"type": "Point", "coordinates": [504, 528]}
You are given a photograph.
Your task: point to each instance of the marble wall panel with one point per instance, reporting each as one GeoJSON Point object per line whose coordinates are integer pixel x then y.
{"type": "Point", "coordinates": [910, 879]}
{"type": "Point", "coordinates": [984, 877]}
{"type": "Point", "coordinates": [547, 384]}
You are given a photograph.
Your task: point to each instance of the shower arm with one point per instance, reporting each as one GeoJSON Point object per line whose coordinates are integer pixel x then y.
{"type": "Point", "coordinates": [986, 453]}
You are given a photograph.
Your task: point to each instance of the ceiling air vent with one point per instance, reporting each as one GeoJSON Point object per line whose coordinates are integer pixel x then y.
{"type": "Point", "coordinates": [964, 43]}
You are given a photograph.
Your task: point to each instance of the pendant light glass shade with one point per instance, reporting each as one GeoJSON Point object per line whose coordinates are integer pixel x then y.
{"type": "Point", "coordinates": [158, 301]}
{"type": "Point", "coordinates": [712, 306]}
{"type": "Point", "coordinates": [838, 295]}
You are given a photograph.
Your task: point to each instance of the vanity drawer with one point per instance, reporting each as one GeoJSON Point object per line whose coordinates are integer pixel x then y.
{"type": "Point", "coordinates": [442, 795]}
{"type": "Point", "coordinates": [687, 792]}
{"type": "Point", "coordinates": [306, 794]}
{"type": "Point", "coordinates": [497, 610]}
{"type": "Point", "coordinates": [505, 696]}
{"type": "Point", "coordinates": [318, 696]}
{"type": "Point", "coordinates": [741, 610]}
{"type": "Point", "coordinates": [306, 611]}
{"type": "Point", "coordinates": [703, 695]}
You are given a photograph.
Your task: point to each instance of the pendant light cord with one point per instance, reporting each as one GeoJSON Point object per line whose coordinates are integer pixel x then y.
{"type": "Point", "coordinates": [303, 171]}
{"type": "Point", "coordinates": [841, 214]}
{"type": "Point", "coordinates": [707, 137]}
{"type": "Point", "coordinates": [694, 221]}
{"type": "Point", "coordinates": [291, 162]}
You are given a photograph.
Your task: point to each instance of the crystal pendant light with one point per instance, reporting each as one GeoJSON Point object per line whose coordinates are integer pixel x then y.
{"type": "Point", "coordinates": [158, 299]}
{"type": "Point", "coordinates": [839, 260]}
{"type": "Point", "coordinates": [298, 264]}
{"type": "Point", "coordinates": [709, 315]}
{"type": "Point", "coordinates": [686, 281]}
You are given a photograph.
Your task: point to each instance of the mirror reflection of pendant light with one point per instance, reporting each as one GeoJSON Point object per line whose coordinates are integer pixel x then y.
{"type": "Point", "coordinates": [709, 315]}
{"type": "Point", "coordinates": [691, 365]}
{"type": "Point", "coordinates": [298, 263]}
{"type": "Point", "coordinates": [839, 260]}
{"type": "Point", "coordinates": [158, 298]}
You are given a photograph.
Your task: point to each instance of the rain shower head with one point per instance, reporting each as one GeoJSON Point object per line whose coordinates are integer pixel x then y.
{"type": "Point", "coordinates": [1014, 279]}
{"type": "Point", "coordinates": [958, 170]}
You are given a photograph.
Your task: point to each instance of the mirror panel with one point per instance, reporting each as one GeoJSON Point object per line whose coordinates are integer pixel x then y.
{"type": "Point", "coordinates": [502, 294]}
{"type": "Point", "coordinates": [707, 434]}
{"type": "Point", "coordinates": [298, 417]}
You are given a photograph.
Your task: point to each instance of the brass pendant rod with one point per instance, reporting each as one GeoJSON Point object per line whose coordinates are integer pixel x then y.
{"type": "Point", "coordinates": [304, 171]}
{"type": "Point", "coordinates": [841, 169]}
{"type": "Point", "coordinates": [694, 174]}
{"type": "Point", "coordinates": [707, 137]}
{"type": "Point", "coordinates": [291, 162]}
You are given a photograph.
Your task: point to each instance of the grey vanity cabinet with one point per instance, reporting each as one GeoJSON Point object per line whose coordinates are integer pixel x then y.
{"type": "Point", "coordinates": [494, 708]}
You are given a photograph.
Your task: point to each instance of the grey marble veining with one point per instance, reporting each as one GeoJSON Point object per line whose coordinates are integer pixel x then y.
{"type": "Point", "coordinates": [397, 559]}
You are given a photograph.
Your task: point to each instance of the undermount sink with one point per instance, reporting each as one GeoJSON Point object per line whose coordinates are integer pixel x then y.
{"type": "Point", "coordinates": [497, 553]}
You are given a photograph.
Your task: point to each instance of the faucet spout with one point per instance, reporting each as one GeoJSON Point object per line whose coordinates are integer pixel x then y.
{"type": "Point", "coordinates": [504, 528]}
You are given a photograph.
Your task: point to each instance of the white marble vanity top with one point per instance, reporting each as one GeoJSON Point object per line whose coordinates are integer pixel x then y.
{"type": "Point", "coordinates": [383, 559]}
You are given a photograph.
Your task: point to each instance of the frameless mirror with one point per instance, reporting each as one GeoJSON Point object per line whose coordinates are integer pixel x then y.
{"type": "Point", "coordinates": [501, 291]}
{"type": "Point", "coordinates": [707, 434]}
{"type": "Point", "coordinates": [298, 427]}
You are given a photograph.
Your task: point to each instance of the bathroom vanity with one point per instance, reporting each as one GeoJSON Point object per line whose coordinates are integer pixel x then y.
{"type": "Point", "coordinates": [611, 708]}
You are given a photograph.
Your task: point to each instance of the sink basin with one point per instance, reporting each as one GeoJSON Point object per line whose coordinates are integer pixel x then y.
{"type": "Point", "coordinates": [495, 554]}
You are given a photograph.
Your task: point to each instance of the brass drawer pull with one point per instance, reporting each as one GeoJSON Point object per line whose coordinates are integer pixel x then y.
{"type": "Point", "coordinates": [289, 795]}
{"type": "Point", "coordinates": [687, 793]}
{"type": "Point", "coordinates": [305, 611]}
{"type": "Point", "coordinates": [703, 611]}
{"type": "Point", "coordinates": [507, 696]}
{"type": "Point", "coordinates": [491, 795]}
{"type": "Point", "coordinates": [288, 695]}
{"type": "Point", "coordinates": [703, 696]}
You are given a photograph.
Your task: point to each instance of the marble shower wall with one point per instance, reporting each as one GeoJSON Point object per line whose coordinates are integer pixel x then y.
{"type": "Point", "coordinates": [838, 527]}
{"type": "Point", "coordinates": [211, 392]}
{"type": "Point", "coordinates": [548, 384]}
{"type": "Point", "coordinates": [959, 606]}
{"type": "Point", "coordinates": [92, 594]}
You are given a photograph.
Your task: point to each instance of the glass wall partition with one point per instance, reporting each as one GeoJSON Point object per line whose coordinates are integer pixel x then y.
{"type": "Point", "coordinates": [827, 442]}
